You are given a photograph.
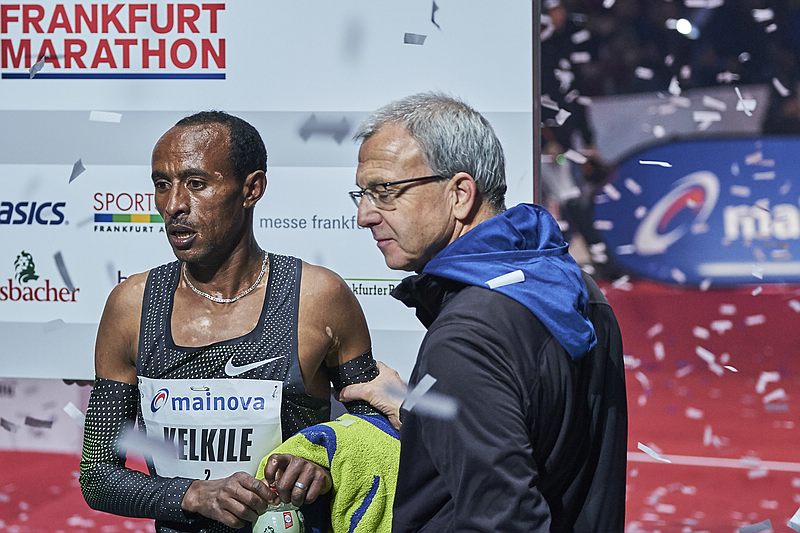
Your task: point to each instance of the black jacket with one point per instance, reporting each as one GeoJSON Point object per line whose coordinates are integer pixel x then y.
{"type": "Point", "coordinates": [539, 441]}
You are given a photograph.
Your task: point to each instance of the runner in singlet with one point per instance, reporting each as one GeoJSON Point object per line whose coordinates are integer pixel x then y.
{"type": "Point", "coordinates": [223, 353]}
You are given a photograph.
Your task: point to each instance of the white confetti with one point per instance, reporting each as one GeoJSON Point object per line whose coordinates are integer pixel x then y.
{"type": "Point", "coordinates": [747, 105]}
{"type": "Point", "coordinates": [640, 212]}
{"type": "Point", "coordinates": [658, 351]}
{"type": "Point", "coordinates": [579, 58]}
{"type": "Point", "coordinates": [611, 191]}
{"type": "Point", "coordinates": [763, 176]}
{"type": "Point", "coordinates": [705, 354]}
{"type": "Point", "coordinates": [794, 521]}
{"type": "Point", "coordinates": [721, 326]}
{"type": "Point", "coordinates": [763, 15]}
{"type": "Point", "coordinates": [769, 504]}
{"type": "Point", "coordinates": [756, 528]}
{"type": "Point", "coordinates": [138, 442]}
{"type": "Point", "coordinates": [39, 65]}
{"type": "Point", "coordinates": [655, 163]}
{"type": "Point", "coordinates": [757, 473]}
{"type": "Point", "coordinates": [674, 87]}
{"type": "Point", "coordinates": [706, 116]}
{"type": "Point", "coordinates": [426, 402]}
{"type": "Point", "coordinates": [713, 103]}
{"type": "Point", "coordinates": [732, 369]}
{"type": "Point", "coordinates": [777, 394]}
{"type": "Point", "coordinates": [608, 4]}
{"type": "Point", "coordinates": [581, 36]}
{"type": "Point", "coordinates": [705, 284]}
{"type": "Point", "coordinates": [603, 225]}
{"type": "Point", "coordinates": [693, 413]}
{"type": "Point", "coordinates": [77, 170]}
{"type": "Point", "coordinates": [782, 90]}
{"type": "Point", "coordinates": [75, 413]}
{"type": "Point", "coordinates": [345, 421]}
{"type": "Point", "coordinates": [628, 249]}
{"type": "Point", "coordinates": [678, 275]}
{"type": "Point", "coordinates": [754, 320]}
{"type": "Point", "coordinates": [795, 305]}
{"type": "Point", "coordinates": [735, 169]}
{"type": "Point", "coordinates": [510, 278]}
{"type": "Point", "coordinates": [414, 38]}
{"type": "Point", "coordinates": [105, 116]}
{"type": "Point", "coordinates": [562, 116]}
{"type": "Point", "coordinates": [771, 28]}
{"type": "Point", "coordinates": [655, 329]}
{"type": "Point", "coordinates": [726, 77]}
{"type": "Point", "coordinates": [643, 73]}
{"type": "Point", "coordinates": [684, 371]}
{"type": "Point", "coordinates": [744, 57]}
{"type": "Point", "coordinates": [665, 508]}
{"type": "Point", "coordinates": [764, 379]}
{"type": "Point", "coordinates": [703, 4]}
{"type": "Point", "coordinates": [758, 290]}
{"type": "Point", "coordinates": [701, 332]}
{"type": "Point", "coordinates": [755, 157]}
{"type": "Point", "coordinates": [740, 190]}
{"type": "Point", "coordinates": [631, 362]}
{"type": "Point", "coordinates": [575, 156]}
{"type": "Point", "coordinates": [659, 131]}
{"type": "Point", "coordinates": [652, 453]}
{"type": "Point", "coordinates": [758, 273]}
{"type": "Point", "coordinates": [549, 103]}
{"type": "Point", "coordinates": [727, 309]}
{"type": "Point", "coordinates": [708, 436]}
{"type": "Point", "coordinates": [632, 186]}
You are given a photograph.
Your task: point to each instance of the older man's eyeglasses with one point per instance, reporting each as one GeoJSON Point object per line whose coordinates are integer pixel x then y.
{"type": "Point", "coordinates": [382, 195]}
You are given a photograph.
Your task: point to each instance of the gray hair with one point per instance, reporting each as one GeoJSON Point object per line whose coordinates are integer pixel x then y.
{"type": "Point", "coordinates": [453, 137]}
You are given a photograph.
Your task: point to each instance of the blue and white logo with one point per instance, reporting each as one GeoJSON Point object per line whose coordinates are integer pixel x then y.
{"type": "Point", "coordinates": [159, 399]}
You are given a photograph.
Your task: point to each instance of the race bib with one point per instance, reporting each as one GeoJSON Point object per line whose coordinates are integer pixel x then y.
{"type": "Point", "coordinates": [216, 426]}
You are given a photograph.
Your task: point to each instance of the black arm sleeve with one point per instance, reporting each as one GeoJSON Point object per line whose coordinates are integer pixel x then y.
{"type": "Point", "coordinates": [357, 370]}
{"type": "Point", "coordinates": [106, 484]}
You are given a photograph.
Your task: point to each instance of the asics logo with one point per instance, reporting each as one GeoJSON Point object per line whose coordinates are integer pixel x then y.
{"type": "Point", "coordinates": [233, 370]}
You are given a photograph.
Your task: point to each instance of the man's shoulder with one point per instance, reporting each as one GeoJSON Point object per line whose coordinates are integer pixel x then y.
{"type": "Point", "coordinates": [321, 283]}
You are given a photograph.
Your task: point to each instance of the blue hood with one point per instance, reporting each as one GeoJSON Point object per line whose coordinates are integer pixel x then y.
{"type": "Point", "coordinates": [526, 244]}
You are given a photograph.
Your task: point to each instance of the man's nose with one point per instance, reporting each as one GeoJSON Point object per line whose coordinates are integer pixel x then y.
{"type": "Point", "coordinates": [177, 201]}
{"type": "Point", "coordinates": [368, 214]}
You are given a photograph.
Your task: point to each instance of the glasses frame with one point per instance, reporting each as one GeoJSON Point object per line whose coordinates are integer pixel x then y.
{"type": "Point", "coordinates": [368, 192]}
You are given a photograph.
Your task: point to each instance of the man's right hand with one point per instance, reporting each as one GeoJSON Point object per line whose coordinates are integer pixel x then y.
{"type": "Point", "coordinates": [385, 393]}
{"type": "Point", "coordinates": [233, 501]}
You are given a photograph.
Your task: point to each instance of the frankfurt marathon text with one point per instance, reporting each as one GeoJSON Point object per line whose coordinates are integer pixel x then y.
{"type": "Point", "coordinates": [110, 36]}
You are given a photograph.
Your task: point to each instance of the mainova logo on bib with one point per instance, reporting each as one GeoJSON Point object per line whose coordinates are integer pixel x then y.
{"type": "Point", "coordinates": [159, 399]}
{"type": "Point", "coordinates": [710, 212]}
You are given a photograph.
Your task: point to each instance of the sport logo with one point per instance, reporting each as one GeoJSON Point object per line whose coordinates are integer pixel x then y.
{"type": "Point", "coordinates": [159, 400]}
{"type": "Point", "coordinates": [666, 223]}
{"type": "Point", "coordinates": [287, 519]}
{"type": "Point", "coordinates": [25, 268]}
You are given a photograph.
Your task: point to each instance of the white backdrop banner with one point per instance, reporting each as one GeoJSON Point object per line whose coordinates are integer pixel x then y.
{"type": "Point", "coordinates": [86, 89]}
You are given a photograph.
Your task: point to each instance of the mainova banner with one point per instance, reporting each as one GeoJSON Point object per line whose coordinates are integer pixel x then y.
{"type": "Point", "coordinates": [707, 212]}
{"type": "Point", "coordinates": [86, 89]}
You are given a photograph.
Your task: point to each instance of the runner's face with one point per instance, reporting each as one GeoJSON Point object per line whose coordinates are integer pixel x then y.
{"type": "Point", "coordinates": [197, 194]}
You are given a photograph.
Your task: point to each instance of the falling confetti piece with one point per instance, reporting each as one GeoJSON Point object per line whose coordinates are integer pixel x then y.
{"type": "Point", "coordinates": [795, 305]}
{"type": "Point", "coordinates": [674, 87]}
{"type": "Point", "coordinates": [611, 191]}
{"type": "Point", "coordinates": [684, 371]}
{"type": "Point", "coordinates": [655, 329]}
{"type": "Point", "coordinates": [414, 38]}
{"type": "Point", "coordinates": [510, 278]}
{"type": "Point", "coordinates": [764, 379]}
{"type": "Point", "coordinates": [747, 105]}
{"type": "Point", "coordinates": [757, 473]}
{"type": "Point", "coordinates": [727, 309]}
{"type": "Point", "coordinates": [757, 290]}
{"type": "Point", "coordinates": [62, 269]}
{"type": "Point", "coordinates": [756, 528]}
{"type": "Point", "coordinates": [581, 36]}
{"type": "Point", "coordinates": [39, 65]}
{"type": "Point", "coordinates": [434, 9]}
{"type": "Point", "coordinates": [705, 354]}
{"type": "Point", "coordinates": [633, 186]}
{"type": "Point", "coordinates": [727, 77]}
{"type": "Point", "coordinates": [652, 453]}
{"type": "Point", "coordinates": [777, 394]}
{"type": "Point", "coordinates": [105, 116]}
{"type": "Point", "coordinates": [794, 521]}
{"type": "Point", "coordinates": [701, 332]}
{"type": "Point", "coordinates": [562, 116]}
{"type": "Point", "coordinates": [549, 103]}
{"type": "Point", "coordinates": [703, 4]}
{"type": "Point", "coordinates": [771, 28]}
{"type": "Point", "coordinates": [721, 326]}
{"type": "Point", "coordinates": [658, 351]}
{"type": "Point", "coordinates": [575, 156]}
{"type": "Point", "coordinates": [631, 362]}
{"type": "Point", "coordinates": [426, 402]}
{"type": "Point", "coordinates": [705, 284]}
{"type": "Point", "coordinates": [643, 381]}
{"type": "Point", "coordinates": [740, 190]}
{"type": "Point", "coordinates": [763, 176]}
{"type": "Point", "coordinates": [693, 413]}
{"type": "Point", "coordinates": [755, 320]}
{"type": "Point", "coordinates": [579, 58]}
{"type": "Point", "coordinates": [715, 104]}
{"type": "Point", "coordinates": [75, 414]}
{"type": "Point", "coordinates": [138, 442]}
{"type": "Point", "coordinates": [706, 116]}
{"type": "Point", "coordinates": [732, 369]}
{"type": "Point", "coordinates": [603, 225]}
{"type": "Point", "coordinates": [77, 170]}
{"type": "Point", "coordinates": [678, 275]}
{"type": "Point", "coordinates": [763, 15]}
{"type": "Point", "coordinates": [643, 73]}
{"type": "Point", "coordinates": [627, 249]}
{"type": "Point", "coordinates": [38, 423]}
{"type": "Point", "coordinates": [755, 157]}
{"type": "Point", "coordinates": [608, 4]}
{"type": "Point", "coordinates": [655, 163]}
{"type": "Point", "coordinates": [8, 425]}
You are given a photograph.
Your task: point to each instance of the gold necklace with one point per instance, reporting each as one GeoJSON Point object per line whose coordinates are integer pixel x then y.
{"type": "Point", "coordinates": [239, 296]}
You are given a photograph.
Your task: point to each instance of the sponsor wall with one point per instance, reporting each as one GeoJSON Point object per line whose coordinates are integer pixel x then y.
{"type": "Point", "coordinates": [115, 76]}
{"type": "Point", "coordinates": [706, 212]}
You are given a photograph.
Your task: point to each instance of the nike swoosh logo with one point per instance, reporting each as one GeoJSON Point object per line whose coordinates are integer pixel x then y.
{"type": "Point", "coordinates": [233, 370]}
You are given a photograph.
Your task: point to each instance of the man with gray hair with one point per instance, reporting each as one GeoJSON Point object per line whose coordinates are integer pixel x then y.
{"type": "Point", "coordinates": [525, 344]}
